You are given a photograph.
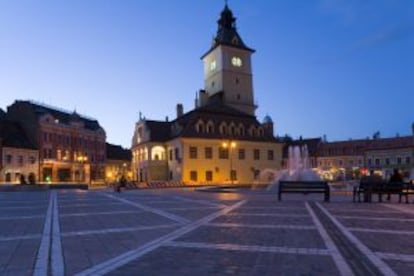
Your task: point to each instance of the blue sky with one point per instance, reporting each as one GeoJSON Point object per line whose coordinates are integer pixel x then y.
{"type": "Point", "coordinates": [344, 68]}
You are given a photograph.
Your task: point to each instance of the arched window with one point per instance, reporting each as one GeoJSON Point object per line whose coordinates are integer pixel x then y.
{"type": "Point", "coordinates": [252, 131]}
{"type": "Point", "coordinates": [232, 129]}
{"type": "Point", "coordinates": [200, 127]}
{"type": "Point", "coordinates": [260, 132]}
{"type": "Point", "coordinates": [223, 128]}
{"type": "Point", "coordinates": [158, 153]}
{"type": "Point", "coordinates": [210, 127]}
{"type": "Point", "coordinates": [241, 129]}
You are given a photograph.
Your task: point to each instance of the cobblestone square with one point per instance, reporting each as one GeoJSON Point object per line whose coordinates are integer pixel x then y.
{"type": "Point", "coordinates": [188, 232]}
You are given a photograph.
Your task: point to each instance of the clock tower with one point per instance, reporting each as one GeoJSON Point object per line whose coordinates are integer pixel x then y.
{"type": "Point", "coordinates": [227, 67]}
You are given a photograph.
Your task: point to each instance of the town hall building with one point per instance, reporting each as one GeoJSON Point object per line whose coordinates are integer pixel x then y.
{"type": "Point", "coordinates": [220, 141]}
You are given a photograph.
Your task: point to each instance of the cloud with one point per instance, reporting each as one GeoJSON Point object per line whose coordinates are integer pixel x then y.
{"type": "Point", "coordinates": [384, 36]}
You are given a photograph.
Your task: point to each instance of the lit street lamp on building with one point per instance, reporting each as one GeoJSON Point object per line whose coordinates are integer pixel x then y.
{"type": "Point", "coordinates": [83, 159]}
{"type": "Point", "coordinates": [230, 145]}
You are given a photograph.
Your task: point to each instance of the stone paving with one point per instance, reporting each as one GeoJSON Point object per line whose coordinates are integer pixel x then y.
{"type": "Point", "coordinates": [187, 232]}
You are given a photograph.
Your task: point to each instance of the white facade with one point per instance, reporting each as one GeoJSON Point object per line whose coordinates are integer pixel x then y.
{"type": "Point", "coordinates": [19, 162]}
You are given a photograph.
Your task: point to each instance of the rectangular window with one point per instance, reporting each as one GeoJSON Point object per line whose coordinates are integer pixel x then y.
{"type": "Point", "coordinates": [170, 154]}
{"type": "Point", "coordinates": [369, 161]}
{"type": "Point", "coordinates": [209, 176]}
{"type": "Point", "coordinates": [387, 161]}
{"type": "Point", "coordinates": [399, 160]}
{"type": "Point", "coordinates": [256, 154]}
{"type": "Point", "coordinates": [20, 160]}
{"type": "Point", "coordinates": [9, 159]}
{"type": "Point", "coordinates": [377, 161]}
{"type": "Point", "coordinates": [193, 175]}
{"type": "Point", "coordinates": [242, 154]}
{"type": "Point", "coordinates": [270, 155]}
{"type": "Point", "coordinates": [193, 152]}
{"type": "Point", "coordinates": [32, 159]}
{"type": "Point", "coordinates": [223, 153]}
{"type": "Point", "coordinates": [208, 151]}
{"type": "Point", "coordinates": [407, 160]}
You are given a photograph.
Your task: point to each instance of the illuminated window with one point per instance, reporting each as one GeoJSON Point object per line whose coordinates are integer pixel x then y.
{"type": "Point", "coordinates": [236, 61]}
{"type": "Point", "coordinates": [157, 153]}
{"type": "Point", "coordinates": [213, 65]}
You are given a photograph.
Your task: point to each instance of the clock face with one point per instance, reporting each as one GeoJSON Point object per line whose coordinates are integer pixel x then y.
{"type": "Point", "coordinates": [236, 62]}
{"type": "Point", "coordinates": [213, 65]}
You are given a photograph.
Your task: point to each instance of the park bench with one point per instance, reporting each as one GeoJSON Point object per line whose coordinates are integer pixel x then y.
{"type": "Point", "coordinates": [304, 187]}
{"type": "Point", "coordinates": [367, 189]}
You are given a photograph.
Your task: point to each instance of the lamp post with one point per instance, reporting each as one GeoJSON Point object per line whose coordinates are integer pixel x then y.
{"type": "Point", "coordinates": [83, 159]}
{"type": "Point", "coordinates": [230, 145]}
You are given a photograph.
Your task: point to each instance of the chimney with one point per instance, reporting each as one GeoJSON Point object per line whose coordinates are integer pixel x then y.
{"type": "Point", "coordinates": [180, 110]}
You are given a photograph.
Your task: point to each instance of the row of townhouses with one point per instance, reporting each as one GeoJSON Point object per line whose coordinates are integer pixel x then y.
{"type": "Point", "coordinates": [40, 143]}
{"type": "Point", "coordinates": [353, 158]}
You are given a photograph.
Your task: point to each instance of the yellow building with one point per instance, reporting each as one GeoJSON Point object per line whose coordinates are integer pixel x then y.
{"type": "Point", "coordinates": [118, 163]}
{"type": "Point", "coordinates": [220, 141]}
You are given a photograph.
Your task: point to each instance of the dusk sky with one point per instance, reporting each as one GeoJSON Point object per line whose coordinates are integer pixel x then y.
{"type": "Point", "coordinates": [344, 68]}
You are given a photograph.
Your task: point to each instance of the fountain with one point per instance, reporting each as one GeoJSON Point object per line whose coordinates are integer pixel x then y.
{"type": "Point", "coordinates": [297, 169]}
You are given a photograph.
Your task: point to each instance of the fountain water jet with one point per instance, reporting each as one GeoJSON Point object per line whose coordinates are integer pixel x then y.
{"type": "Point", "coordinates": [298, 167]}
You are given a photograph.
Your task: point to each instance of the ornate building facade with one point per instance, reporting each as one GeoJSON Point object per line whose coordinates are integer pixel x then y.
{"type": "Point", "coordinates": [220, 140]}
{"type": "Point", "coordinates": [71, 147]}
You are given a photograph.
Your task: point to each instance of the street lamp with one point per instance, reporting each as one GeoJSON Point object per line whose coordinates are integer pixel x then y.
{"type": "Point", "coordinates": [230, 145]}
{"type": "Point", "coordinates": [83, 159]}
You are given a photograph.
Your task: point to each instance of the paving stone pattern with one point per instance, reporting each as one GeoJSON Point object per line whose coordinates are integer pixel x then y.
{"type": "Point", "coordinates": [187, 232]}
